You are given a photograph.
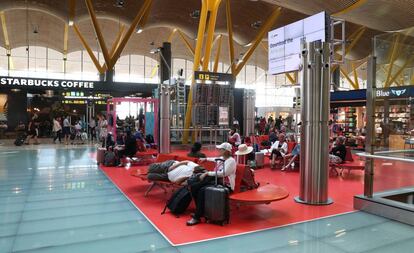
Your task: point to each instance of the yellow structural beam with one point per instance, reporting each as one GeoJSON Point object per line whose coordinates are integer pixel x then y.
{"type": "Point", "coordinates": [348, 78]}
{"type": "Point", "coordinates": [65, 41]}
{"type": "Point", "coordinates": [392, 57]}
{"type": "Point", "coordinates": [186, 42]}
{"type": "Point", "coordinates": [218, 52]}
{"type": "Point", "coordinates": [400, 71]}
{"type": "Point", "coordinates": [171, 36]}
{"type": "Point", "coordinates": [5, 33]}
{"type": "Point", "coordinates": [354, 37]}
{"type": "Point", "coordinates": [88, 49]}
{"type": "Point", "coordinates": [353, 6]}
{"type": "Point", "coordinates": [291, 79]}
{"type": "Point", "coordinates": [230, 37]}
{"type": "Point", "coordinates": [196, 65]}
{"type": "Point", "coordinates": [98, 32]}
{"type": "Point", "coordinates": [259, 36]}
{"type": "Point", "coordinates": [115, 44]}
{"type": "Point", "coordinates": [72, 5]}
{"type": "Point", "coordinates": [213, 6]}
{"type": "Point", "coordinates": [129, 33]}
{"type": "Point", "coordinates": [265, 48]}
{"type": "Point", "coordinates": [118, 38]}
{"type": "Point", "coordinates": [354, 70]}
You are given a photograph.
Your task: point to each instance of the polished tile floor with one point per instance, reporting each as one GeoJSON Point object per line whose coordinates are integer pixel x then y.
{"type": "Point", "coordinates": [56, 200]}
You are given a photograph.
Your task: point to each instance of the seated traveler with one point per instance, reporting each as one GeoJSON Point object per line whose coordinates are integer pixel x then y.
{"type": "Point", "coordinates": [129, 149]}
{"type": "Point", "coordinates": [226, 172]}
{"type": "Point", "coordinates": [292, 156]}
{"type": "Point", "coordinates": [234, 137]}
{"type": "Point", "coordinates": [196, 151]}
{"type": "Point", "coordinates": [172, 171]}
{"type": "Point", "coordinates": [278, 149]}
{"type": "Point", "coordinates": [338, 153]}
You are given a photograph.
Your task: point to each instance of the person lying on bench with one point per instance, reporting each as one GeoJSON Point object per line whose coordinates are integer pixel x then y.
{"type": "Point", "coordinates": [226, 172]}
{"type": "Point", "coordinates": [338, 153]}
{"type": "Point", "coordinates": [172, 171]}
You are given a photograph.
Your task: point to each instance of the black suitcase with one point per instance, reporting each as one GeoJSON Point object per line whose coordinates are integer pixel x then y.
{"type": "Point", "coordinates": [216, 204]}
{"type": "Point", "coordinates": [20, 139]}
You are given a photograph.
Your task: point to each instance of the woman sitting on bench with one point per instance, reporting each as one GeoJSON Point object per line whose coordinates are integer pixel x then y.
{"type": "Point", "coordinates": [338, 153]}
{"type": "Point", "coordinates": [278, 149]}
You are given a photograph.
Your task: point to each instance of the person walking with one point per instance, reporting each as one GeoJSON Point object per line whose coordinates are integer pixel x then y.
{"type": "Point", "coordinates": [57, 130]}
{"type": "Point", "coordinates": [66, 130]}
{"type": "Point", "coordinates": [33, 130]}
{"type": "Point", "coordinates": [92, 128]}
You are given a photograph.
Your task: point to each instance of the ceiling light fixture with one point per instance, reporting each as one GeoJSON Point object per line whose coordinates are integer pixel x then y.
{"type": "Point", "coordinates": [70, 23]}
{"type": "Point", "coordinates": [256, 24]}
{"type": "Point", "coordinates": [195, 14]}
{"type": "Point", "coordinates": [120, 3]}
{"type": "Point", "coordinates": [139, 30]}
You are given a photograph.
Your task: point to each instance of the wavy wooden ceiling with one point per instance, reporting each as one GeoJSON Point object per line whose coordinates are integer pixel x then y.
{"type": "Point", "coordinates": [49, 17]}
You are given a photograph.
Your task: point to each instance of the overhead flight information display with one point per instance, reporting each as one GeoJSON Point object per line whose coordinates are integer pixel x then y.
{"type": "Point", "coordinates": [285, 42]}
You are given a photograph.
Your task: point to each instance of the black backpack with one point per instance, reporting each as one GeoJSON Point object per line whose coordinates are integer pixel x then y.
{"type": "Point", "coordinates": [110, 159]}
{"type": "Point", "coordinates": [179, 201]}
{"type": "Point", "coordinates": [149, 139]}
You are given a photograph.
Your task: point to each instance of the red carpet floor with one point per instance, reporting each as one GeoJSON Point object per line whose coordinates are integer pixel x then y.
{"type": "Point", "coordinates": [247, 218]}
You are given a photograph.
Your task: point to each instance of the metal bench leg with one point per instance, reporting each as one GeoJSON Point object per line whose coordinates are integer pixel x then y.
{"type": "Point", "coordinates": [149, 189]}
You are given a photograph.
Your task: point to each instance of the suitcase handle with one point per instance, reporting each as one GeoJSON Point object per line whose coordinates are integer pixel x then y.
{"type": "Point", "coordinates": [219, 162]}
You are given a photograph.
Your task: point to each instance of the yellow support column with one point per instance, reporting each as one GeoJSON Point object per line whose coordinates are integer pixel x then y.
{"type": "Point", "coordinates": [354, 70]}
{"type": "Point", "coordinates": [98, 32]}
{"type": "Point", "coordinates": [230, 34]}
{"type": "Point", "coordinates": [348, 78]}
{"type": "Point", "coordinates": [213, 6]}
{"type": "Point", "coordinates": [196, 65]}
{"type": "Point", "coordinates": [88, 49]}
{"type": "Point", "coordinates": [218, 52]}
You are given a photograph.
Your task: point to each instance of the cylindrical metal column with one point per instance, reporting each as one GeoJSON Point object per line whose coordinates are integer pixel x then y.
{"type": "Point", "coordinates": [248, 110]}
{"type": "Point", "coordinates": [165, 119]}
{"type": "Point", "coordinates": [315, 98]}
{"type": "Point", "coordinates": [165, 79]}
{"type": "Point", "coordinates": [370, 138]}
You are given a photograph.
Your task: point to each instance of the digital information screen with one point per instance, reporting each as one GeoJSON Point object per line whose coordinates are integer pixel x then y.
{"type": "Point", "coordinates": [285, 42]}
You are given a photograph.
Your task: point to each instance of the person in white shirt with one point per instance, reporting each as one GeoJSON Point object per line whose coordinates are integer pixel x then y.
{"type": "Point", "coordinates": [92, 128]}
{"type": "Point", "coordinates": [234, 137]}
{"type": "Point", "coordinates": [66, 129]}
{"type": "Point", "coordinates": [226, 172]}
{"type": "Point", "coordinates": [172, 171]}
{"type": "Point", "coordinates": [278, 149]}
{"type": "Point", "coordinates": [57, 130]}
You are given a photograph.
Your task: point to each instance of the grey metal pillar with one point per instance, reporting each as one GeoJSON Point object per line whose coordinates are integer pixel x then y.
{"type": "Point", "coordinates": [165, 119]}
{"type": "Point", "coordinates": [165, 103]}
{"type": "Point", "coordinates": [315, 100]}
{"type": "Point", "coordinates": [248, 111]}
{"type": "Point", "coordinates": [370, 138]}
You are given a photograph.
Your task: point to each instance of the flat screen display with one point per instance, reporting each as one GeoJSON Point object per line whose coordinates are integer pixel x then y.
{"type": "Point", "coordinates": [285, 42]}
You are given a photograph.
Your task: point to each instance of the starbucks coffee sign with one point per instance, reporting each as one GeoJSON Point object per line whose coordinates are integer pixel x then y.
{"type": "Point", "coordinates": [22, 82]}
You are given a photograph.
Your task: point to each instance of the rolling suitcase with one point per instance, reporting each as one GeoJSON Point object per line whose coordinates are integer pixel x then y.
{"type": "Point", "coordinates": [259, 158]}
{"type": "Point", "coordinates": [216, 203]}
{"type": "Point", "coordinates": [100, 157]}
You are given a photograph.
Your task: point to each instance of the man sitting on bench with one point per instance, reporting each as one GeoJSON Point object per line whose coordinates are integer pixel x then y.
{"type": "Point", "coordinates": [172, 171]}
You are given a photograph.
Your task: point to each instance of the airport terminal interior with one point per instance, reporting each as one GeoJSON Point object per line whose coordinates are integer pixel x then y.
{"type": "Point", "coordinates": [207, 126]}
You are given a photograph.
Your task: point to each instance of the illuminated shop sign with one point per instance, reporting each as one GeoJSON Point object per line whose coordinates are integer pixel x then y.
{"type": "Point", "coordinates": [395, 92]}
{"type": "Point", "coordinates": [45, 83]}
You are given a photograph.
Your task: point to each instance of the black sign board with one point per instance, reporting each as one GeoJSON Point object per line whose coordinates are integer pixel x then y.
{"type": "Point", "coordinates": [395, 92]}
{"type": "Point", "coordinates": [213, 76]}
{"type": "Point", "coordinates": [31, 84]}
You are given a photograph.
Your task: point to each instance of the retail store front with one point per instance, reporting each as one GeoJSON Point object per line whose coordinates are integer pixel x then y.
{"type": "Point", "coordinates": [20, 98]}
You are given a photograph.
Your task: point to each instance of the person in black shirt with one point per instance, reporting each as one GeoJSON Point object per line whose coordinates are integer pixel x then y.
{"type": "Point", "coordinates": [129, 148]}
{"type": "Point", "coordinates": [338, 153]}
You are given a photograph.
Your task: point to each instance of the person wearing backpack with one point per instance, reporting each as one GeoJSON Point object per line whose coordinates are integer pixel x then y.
{"type": "Point", "coordinates": [227, 174]}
